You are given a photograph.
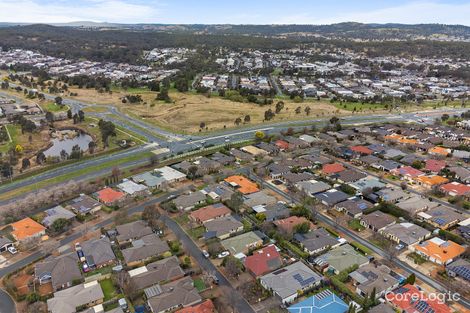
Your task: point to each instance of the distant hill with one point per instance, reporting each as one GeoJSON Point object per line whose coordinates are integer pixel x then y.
{"type": "Point", "coordinates": [349, 30]}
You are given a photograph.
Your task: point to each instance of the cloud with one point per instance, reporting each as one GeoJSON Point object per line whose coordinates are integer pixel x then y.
{"type": "Point", "coordinates": [56, 11]}
{"type": "Point", "coordinates": [416, 12]}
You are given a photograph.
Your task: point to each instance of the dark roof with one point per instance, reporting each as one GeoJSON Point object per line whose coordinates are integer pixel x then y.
{"type": "Point", "coordinates": [163, 270]}
{"type": "Point", "coordinates": [133, 230]}
{"type": "Point", "coordinates": [316, 239]}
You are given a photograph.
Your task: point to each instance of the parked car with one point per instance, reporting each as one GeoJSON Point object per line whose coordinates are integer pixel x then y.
{"type": "Point", "coordinates": [205, 254]}
{"type": "Point", "coordinates": [77, 246]}
{"type": "Point", "coordinates": [85, 267]}
{"type": "Point", "coordinates": [81, 256]}
{"type": "Point", "coordinates": [223, 254]}
{"type": "Point", "coordinates": [12, 250]}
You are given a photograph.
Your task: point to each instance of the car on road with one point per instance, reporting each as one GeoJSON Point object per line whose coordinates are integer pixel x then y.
{"type": "Point", "coordinates": [205, 254]}
{"type": "Point", "coordinates": [171, 197]}
{"type": "Point", "coordinates": [223, 254]}
{"type": "Point", "coordinates": [400, 246]}
{"type": "Point", "coordinates": [12, 250]}
{"type": "Point", "coordinates": [77, 246]}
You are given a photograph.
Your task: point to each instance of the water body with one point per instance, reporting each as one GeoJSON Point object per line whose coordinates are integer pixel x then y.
{"type": "Point", "coordinates": [6, 303]}
{"type": "Point", "coordinates": [82, 140]}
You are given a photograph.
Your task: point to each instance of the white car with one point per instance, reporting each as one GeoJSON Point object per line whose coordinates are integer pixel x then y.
{"type": "Point", "coordinates": [12, 250]}
{"type": "Point", "coordinates": [223, 254]}
{"type": "Point", "coordinates": [205, 254]}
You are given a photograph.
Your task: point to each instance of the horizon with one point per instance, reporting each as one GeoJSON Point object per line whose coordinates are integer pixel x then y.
{"type": "Point", "coordinates": [243, 12]}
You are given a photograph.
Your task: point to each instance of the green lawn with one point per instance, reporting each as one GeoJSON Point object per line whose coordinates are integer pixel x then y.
{"type": "Point", "coordinates": [183, 219]}
{"type": "Point", "coordinates": [199, 284]}
{"type": "Point", "coordinates": [13, 130]}
{"type": "Point", "coordinates": [355, 225]}
{"type": "Point", "coordinates": [197, 232]}
{"type": "Point", "coordinates": [52, 107]}
{"type": "Point", "coordinates": [108, 288]}
{"type": "Point", "coordinates": [361, 248]}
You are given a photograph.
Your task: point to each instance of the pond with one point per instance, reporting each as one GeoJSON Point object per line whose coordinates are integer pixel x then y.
{"type": "Point", "coordinates": [65, 141]}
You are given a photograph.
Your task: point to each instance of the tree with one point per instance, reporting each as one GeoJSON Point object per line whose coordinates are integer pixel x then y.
{"type": "Point", "coordinates": [81, 115]}
{"type": "Point", "coordinates": [40, 158]}
{"type": "Point", "coordinates": [125, 284]}
{"type": "Point", "coordinates": [60, 225]}
{"type": "Point", "coordinates": [298, 110]}
{"type": "Point", "coordinates": [25, 163]}
{"type": "Point", "coordinates": [58, 101]}
{"type": "Point", "coordinates": [247, 118]}
{"type": "Point", "coordinates": [302, 228]}
{"type": "Point", "coordinates": [91, 147]}
{"type": "Point", "coordinates": [49, 117]}
{"type": "Point", "coordinates": [69, 114]}
{"type": "Point", "coordinates": [410, 279]}
{"type": "Point", "coordinates": [238, 121]}
{"type": "Point", "coordinates": [202, 125]}
{"type": "Point", "coordinates": [108, 129]}
{"type": "Point", "coordinates": [445, 117]}
{"type": "Point", "coordinates": [307, 110]}
{"type": "Point", "coordinates": [76, 152]}
{"type": "Point", "coordinates": [236, 201]}
{"type": "Point", "coordinates": [259, 135]}
{"type": "Point", "coordinates": [301, 211]}
{"type": "Point", "coordinates": [192, 172]}
{"type": "Point", "coordinates": [151, 215]}
{"type": "Point", "coordinates": [233, 266]}
{"type": "Point", "coordinates": [19, 149]}
{"type": "Point", "coordinates": [334, 120]}
{"type": "Point", "coordinates": [279, 107]}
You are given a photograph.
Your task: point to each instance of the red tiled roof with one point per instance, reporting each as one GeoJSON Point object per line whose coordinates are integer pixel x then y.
{"type": "Point", "coordinates": [109, 195]}
{"type": "Point", "coordinates": [456, 188]}
{"type": "Point", "coordinates": [284, 145]}
{"type": "Point", "coordinates": [407, 171]}
{"type": "Point", "coordinates": [407, 301]}
{"type": "Point", "coordinates": [435, 165]}
{"type": "Point", "coordinates": [210, 212]}
{"type": "Point", "coordinates": [362, 150]}
{"type": "Point", "coordinates": [288, 224]}
{"type": "Point", "coordinates": [333, 168]}
{"type": "Point", "coordinates": [204, 307]}
{"type": "Point", "coordinates": [261, 262]}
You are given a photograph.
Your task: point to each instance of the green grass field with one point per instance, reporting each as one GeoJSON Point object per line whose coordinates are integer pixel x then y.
{"type": "Point", "coordinates": [52, 107]}
{"type": "Point", "coordinates": [108, 288]}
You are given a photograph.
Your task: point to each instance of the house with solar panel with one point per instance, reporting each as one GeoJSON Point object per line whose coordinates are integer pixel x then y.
{"type": "Point", "coordinates": [323, 302]}
{"type": "Point", "coordinates": [287, 282]}
{"type": "Point", "coordinates": [439, 251]}
{"type": "Point", "coordinates": [459, 268]}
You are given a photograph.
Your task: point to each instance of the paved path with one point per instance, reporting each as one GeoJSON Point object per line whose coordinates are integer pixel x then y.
{"type": "Point", "coordinates": [6, 303]}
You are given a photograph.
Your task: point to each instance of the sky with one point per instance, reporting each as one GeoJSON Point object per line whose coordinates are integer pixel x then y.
{"type": "Point", "coordinates": [236, 11]}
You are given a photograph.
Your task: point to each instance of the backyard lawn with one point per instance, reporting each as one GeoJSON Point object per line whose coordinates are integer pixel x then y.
{"type": "Point", "coordinates": [199, 284]}
{"type": "Point", "coordinates": [109, 290]}
{"type": "Point", "coordinates": [355, 225]}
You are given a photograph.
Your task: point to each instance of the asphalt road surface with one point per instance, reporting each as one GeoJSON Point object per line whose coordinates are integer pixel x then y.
{"type": "Point", "coordinates": [6, 303]}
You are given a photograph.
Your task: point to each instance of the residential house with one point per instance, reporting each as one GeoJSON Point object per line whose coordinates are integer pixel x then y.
{"type": "Point", "coordinates": [242, 184]}
{"type": "Point", "coordinates": [334, 168]}
{"type": "Point", "coordinates": [293, 178]}
{"type": "Point", "coordinates": [110, 196]}
{"type": "Point", "coordinates": [282, 145]}
{"type": "Point", "coordinates": [354, 207]}
{"type": "Point", "coordinates": [348, 176]}
{"type": "Point", "coordinates": [260, 198]}
{"type": "Point", "coordinates": [189, 201]}
{"type": "Point", "coordinates": [455, 189]}
{"type": "Point", "coordinates": [461, 173]}
{"type": "Point", "coordinates": [288, 225]}
{"type": "Point", "coordinates": [442, 216]}
{"type": "Point", "coordinates": [255, 151]}
{"type": "Point", "coordinates": [316, 241]}
{"type": "Point", "coordinates": [409, 298]}
{"type": "Point", "coordinates": [392, 195]}
{"type": "Point", "coordinates": [276, 170]}
{"type": "Point", "coordinates": [210, 213]}
{"type": "Point", "coordinates": [62, 271]}
{"type": "Point", "coordinates": [175, 294]}
{"type": "Point", "coordinates": [263, 261]}
{"type": "Point", "coordinates": [434, 166]}
{"type": "Point", "coordinates": [382, 308]}
{"type": "Point", "coordinates": [287, 282]}
{"type": "Point", "coordinates": [312, 187]}
{"type": "Point", "coordinates": [161, 271]}
{"type": "Point", "coordinates": [459, 268]}
{"type": "Point", "coordinates": [340, 258]}
{"type": "Point", "coordinates": [272, 149]}
{"type": "Point", "coordinates": [5, 243]}
{"type": "Point", "coordinates": [55, 213]}
{"type": "Point", "coordinates": [432, 181]}
{"type": "Point", "coordinates": [439, 151]}
{"type": "Point", "coordinates": [68, 300]}
{"type": "Point", "coordinates": [241, 156]}
{"type": "Point", "coordinates": [149, 179]}
{"type": "Point", "coordinates": [132, 231]}
{"type": "Point", "coordinates": [367, 184]}
{"type": "Point", "coordinates": [406, 234]}
{"type": "Point", "coordinates": [133, 189]}
{"type": "Point", "coordinates": [85, 205]}
{"type": "Point", "coordinates": [220, 192]}
{"type": "Point", "coordinates": [368, 160]}
{"type": "Point", "coordinates": [377, 221]}
{"type": "Point", "coordinates": [98, 252]}
{"type": "Point", "coordinates": [361, 150]}
{"type": "Point", "coordinates": [27, 229]}
{"type": "Point", "coordinates": [242, 243]}
{"type": "Point", "coordinates": [371, 278]}
{"type": "Point", "coordinates": [223, 159]}
{"type": "Point", "coordinates": [169, 175]}
{"type": "Point", "coordinates": [407, 172]}
{"type": "Point", "coordinates": [332, 197]}
{"type": "Point", "coordinates": [276, 211]}
{"type": "Point", "coordinates": [439, 251]}
{"type": "Point", "coordinates": [143, 249]}
{"type": "Point", "coordinates": [393, 154]}
{"type": "Point", "coordinates": [322, 302]}
{"type": "Point", "coordinates": [222, 228]}
{"type": "Point", "coordinates": [416, 204]}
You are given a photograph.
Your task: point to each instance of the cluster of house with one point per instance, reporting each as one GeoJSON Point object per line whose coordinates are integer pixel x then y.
{"type": "Point", "coordinates": [168, 56]}
{"type": "Point", "coordinates": [9, 107]}
{"type": "Point", "coordinates": [214, 82]}
{"type": "Point", "coordinates": [146, 260]}
{"type": "Point", "coordinates": [59, 66]}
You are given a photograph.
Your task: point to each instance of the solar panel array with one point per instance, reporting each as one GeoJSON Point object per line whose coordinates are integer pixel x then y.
{"type": "Point", "coordinates": [423, 307]}
{"type": "Point", "coordinates": [401, 290]}
{"type": "Point", "coordinates": [440, 221]}
{"type": "Point", "coordinates": [304, 282]}
{"type": "Point", "coordinates": [462, 271]}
